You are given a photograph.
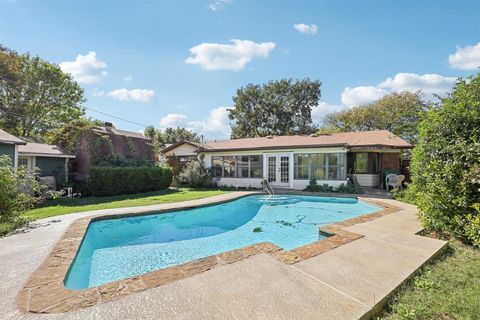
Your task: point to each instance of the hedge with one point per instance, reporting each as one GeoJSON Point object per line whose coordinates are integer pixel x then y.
{"type": "Point", "coordinates": [109, 181]}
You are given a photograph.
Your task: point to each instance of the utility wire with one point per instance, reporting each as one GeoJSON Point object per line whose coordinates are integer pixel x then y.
{"type": "Point", "coordinates": [91, 109]}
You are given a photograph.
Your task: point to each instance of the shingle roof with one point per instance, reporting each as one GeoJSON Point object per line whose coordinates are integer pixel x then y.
{"type": "Point", "coordinates": [125, 133]}
{"type": "Point", "coordinates": [42, 149]}
{"type": "Point", "coordinates": [6, 137]}
{"type": "Point", "coordinates": [378, 138]}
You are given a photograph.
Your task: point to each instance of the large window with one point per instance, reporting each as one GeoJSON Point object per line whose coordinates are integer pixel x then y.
{"type": "Point", "coordinates": [366, 162]}
{"type": "Point", "coordinates": [237, 166]}
{"type": "Point", "coordinates": [322, 166]}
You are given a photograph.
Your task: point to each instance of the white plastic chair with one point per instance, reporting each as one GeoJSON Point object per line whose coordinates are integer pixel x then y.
{"type": "Point", "coordinates": [394, 180]}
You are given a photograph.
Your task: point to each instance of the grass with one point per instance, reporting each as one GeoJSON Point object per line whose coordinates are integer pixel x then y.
{"type": "Point", "coordinates": [448, 288]}
{"type": "Point", "coordinates": [65, 206]}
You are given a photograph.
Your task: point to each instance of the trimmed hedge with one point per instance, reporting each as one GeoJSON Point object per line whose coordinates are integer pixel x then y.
{"type": "Point", "coordinates": [109, 181]}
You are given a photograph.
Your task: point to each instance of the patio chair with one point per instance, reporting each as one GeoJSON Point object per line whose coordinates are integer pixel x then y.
{"type": "Point", "coordinates": [394, 180]}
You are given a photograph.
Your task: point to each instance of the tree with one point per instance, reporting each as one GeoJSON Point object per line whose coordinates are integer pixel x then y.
{"type": "Point", "coordinates": [169, 136]}
{"type": "Point", "coordinates": [280, 107]}
{"type": "Point", "coordinates": [398, 112]}
{"type": "Point", "coordinates": [67, 135]}
{"type": "Point", "coordinates": [36, 96]}
{"type": "Point", "coordinates": [446, 164]}
{"type": "Point", "coordinates": [13, 202]}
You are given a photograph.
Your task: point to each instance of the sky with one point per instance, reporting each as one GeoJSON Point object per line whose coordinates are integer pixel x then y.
{"type": "Point", "coordinates": [179, 63]}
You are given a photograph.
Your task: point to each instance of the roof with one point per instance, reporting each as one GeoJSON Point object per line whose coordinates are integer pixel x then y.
{"type": "Point", "coordinates": [361, 139]}
{"type": "Point", "coordinates": [42, 149]}
{"type": "Point", "coordinates": [130, 134]}
{"type": "Point", "coordinates": [6, 137]}
{"type": "Point", "coordinates": [169, 147]}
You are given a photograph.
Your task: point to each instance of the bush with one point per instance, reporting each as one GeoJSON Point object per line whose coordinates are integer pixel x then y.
{"type": "Point", "coordinates": [350, 187]}
{"type": "Point", "coordinates": [109, 181]}
{"type": "Point", "coordinates": [13, 202]}
{"type": "Point", "coordinates": [194, 175]}
{"type": "Point", "coordinates": [446, 164]}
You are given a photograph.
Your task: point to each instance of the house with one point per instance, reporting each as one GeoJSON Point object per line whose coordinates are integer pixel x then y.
{"type": "Point", "coordinates": [291, 161]}
{"type": "Point", "coordinates": [9, 146]}
{"type": "Point", "coordinates": [111, 145]}
{"type": "Point", "coordinates": [49, 159]}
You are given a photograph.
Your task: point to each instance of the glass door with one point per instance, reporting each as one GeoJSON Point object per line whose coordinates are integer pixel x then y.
{"type": "Point", "coordinates": [278, 170]}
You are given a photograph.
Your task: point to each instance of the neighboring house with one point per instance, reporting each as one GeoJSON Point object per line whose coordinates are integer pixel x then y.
{"type": "Point", "coordinates": [50, 159]}
{"type": "Point", "coordinates": [106, 143]}
{"type": "Point", "coordinates": [9, 146]}
{"type": "Point", "coordinates": [291, 161]}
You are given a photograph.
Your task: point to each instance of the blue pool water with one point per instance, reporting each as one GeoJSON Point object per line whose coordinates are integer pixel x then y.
{"type": "Point", "coordinates": [118, 248]}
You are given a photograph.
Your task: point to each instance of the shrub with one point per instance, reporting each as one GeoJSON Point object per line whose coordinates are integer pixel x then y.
{"type": "Point", "coordinates": [351, 187]}
{"type": "Point", "coordinates": [446, 164]}
{"type": "Point", "coordinates": [194, 175]}
{"type": "Point", "coordinates": [13, 202]}
{"type": "Point", "coordinates": [108, 181]}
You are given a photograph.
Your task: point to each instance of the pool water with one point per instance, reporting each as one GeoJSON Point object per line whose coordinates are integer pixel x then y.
{"type": "Point", "coordinates": [118, 248]}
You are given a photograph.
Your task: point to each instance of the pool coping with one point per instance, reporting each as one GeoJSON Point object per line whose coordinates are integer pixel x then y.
{"type": "Point", "coordinates": [44, 291]}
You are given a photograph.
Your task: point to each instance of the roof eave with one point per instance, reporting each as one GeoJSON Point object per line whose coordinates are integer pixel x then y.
{"type": "Point", "coordinates": [309, 146]}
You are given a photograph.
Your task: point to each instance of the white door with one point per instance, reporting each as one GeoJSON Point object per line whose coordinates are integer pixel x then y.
{"type": "Point", "coordinates": [278, 170]}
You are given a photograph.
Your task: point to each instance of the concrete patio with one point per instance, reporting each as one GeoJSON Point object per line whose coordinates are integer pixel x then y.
{"type": "Point", "coordinates": [343, 283]}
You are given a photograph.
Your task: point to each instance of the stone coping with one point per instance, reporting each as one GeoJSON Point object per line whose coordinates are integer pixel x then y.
{"type": "Point", "coordinates": [44, 291]}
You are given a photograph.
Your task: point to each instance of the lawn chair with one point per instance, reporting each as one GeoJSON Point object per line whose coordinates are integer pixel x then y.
{"type": "Point", "coordinates": [394, 180]}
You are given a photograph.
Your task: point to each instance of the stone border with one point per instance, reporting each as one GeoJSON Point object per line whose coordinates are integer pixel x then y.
{"type": "Point", "coordinates": [45, 292]}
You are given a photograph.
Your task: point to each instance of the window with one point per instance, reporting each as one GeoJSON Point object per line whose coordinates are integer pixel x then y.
{"type": "Point", "coordinates": [237, 166]}
{"type": "Point", "coordinates": [229, 166]}
{"type": "Point", "coordinates": [361, 162]}
{"type": "Point", "coordinates": [318, 166]}
{"type": "Point", "coordinates": [322, 166]}
{"type": "Point", "coordinates": [256, 166]}
{"type": "Point", "coordinates": [217, 166]}
{"type": "Point", "coordinates": [301, 166]}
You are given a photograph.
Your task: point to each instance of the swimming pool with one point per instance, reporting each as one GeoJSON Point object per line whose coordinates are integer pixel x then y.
{"type": "Point", "coordinates": [118, 248]}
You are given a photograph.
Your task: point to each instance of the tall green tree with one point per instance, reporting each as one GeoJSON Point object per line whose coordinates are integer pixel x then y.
{"type": "Point", "coordinates": [280, 107]}
{"type": "Point", "coordinates": [446, 164]}
{"type": "Point", "coordinates": [398, 112]}
{"type": "Point", "coordinates": [169, 136]}
{"type": "Point", "coordinates": [36, 96]}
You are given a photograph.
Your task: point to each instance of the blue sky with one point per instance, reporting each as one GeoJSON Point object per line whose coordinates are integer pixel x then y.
{"type": "Point", "coordinates": [172, 63]}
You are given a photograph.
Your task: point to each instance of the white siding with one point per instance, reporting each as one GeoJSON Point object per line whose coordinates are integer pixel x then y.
{"type": "Point", "coordinates": [368, 180]}
{"type": "Point", "coordinates": [182, 150]}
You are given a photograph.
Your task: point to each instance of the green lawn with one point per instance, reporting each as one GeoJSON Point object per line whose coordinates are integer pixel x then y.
{"type": "Point", "coordinates": [449, 288]}
{"type": "Point", "coordinates": [65, 206]}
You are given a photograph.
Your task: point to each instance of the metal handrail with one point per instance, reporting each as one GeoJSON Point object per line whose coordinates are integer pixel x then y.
{"type": "Point", "coordinates": [267, 184]}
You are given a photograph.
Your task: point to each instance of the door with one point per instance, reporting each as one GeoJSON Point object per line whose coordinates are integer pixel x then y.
{"type": "Point", "coordinates": [278, 170]}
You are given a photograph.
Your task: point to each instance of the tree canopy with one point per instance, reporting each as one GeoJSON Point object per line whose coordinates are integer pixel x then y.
{"type": "Point", "coordinates": [170, 136]}
{"type": "Point", "coordinates": [398, 112]}
{"type": "Point", "coordinates": [36, 97]}
{"type": "Point", "coordinates": [446, 164]}
{"type": "Point", "coordinates": [281, 107]}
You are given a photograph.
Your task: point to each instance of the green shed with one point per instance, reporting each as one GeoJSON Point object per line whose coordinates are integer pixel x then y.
{"type": "Point", "coordinates": [9, 146]}
{"type": "Point", "coordinates": [50, 159]}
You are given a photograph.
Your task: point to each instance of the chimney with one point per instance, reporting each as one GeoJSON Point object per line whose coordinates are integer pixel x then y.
{"type": "Point", "coordinates": [108, 124]}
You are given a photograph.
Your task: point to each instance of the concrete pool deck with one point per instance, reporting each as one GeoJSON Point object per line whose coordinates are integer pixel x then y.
{"type": "Point", "coordinates": [343, 283]}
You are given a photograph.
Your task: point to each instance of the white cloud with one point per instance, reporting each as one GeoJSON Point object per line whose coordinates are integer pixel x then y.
{"type": "Point", "coordinates": [86, 68]}
{"type": "Point", "coordinates": [136, 95]}
{"type": "Point", "coordinates": [322, 109]}
{"type": "Point", "coordinates": [467, 58]}
{"type": "Point", "coordinates": [215, 126]}
{"type": "Point", "coordinates": [128, 78]}
{"type": "Point", "coordinates": [98, 93]}
{"type": "Point", "coordinates": [234, 56]}
{"type": "Point", "coordinates": [352, 97]}
{"type": "Point", "coordinates": [173, 120]}
{"type": "Point", "coordinates": [305, 28]}
{"type": "Point", "coordinates": [429, 83]}
{"type": "Point", "coordinates": [218, 4]}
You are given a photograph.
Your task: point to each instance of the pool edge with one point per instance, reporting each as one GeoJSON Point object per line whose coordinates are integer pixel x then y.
{"type": "Point", "coordinates": [44, 291]}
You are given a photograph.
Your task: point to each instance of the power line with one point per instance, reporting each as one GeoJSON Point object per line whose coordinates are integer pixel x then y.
{"type": "Point", "coordinates": [91, 109]}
